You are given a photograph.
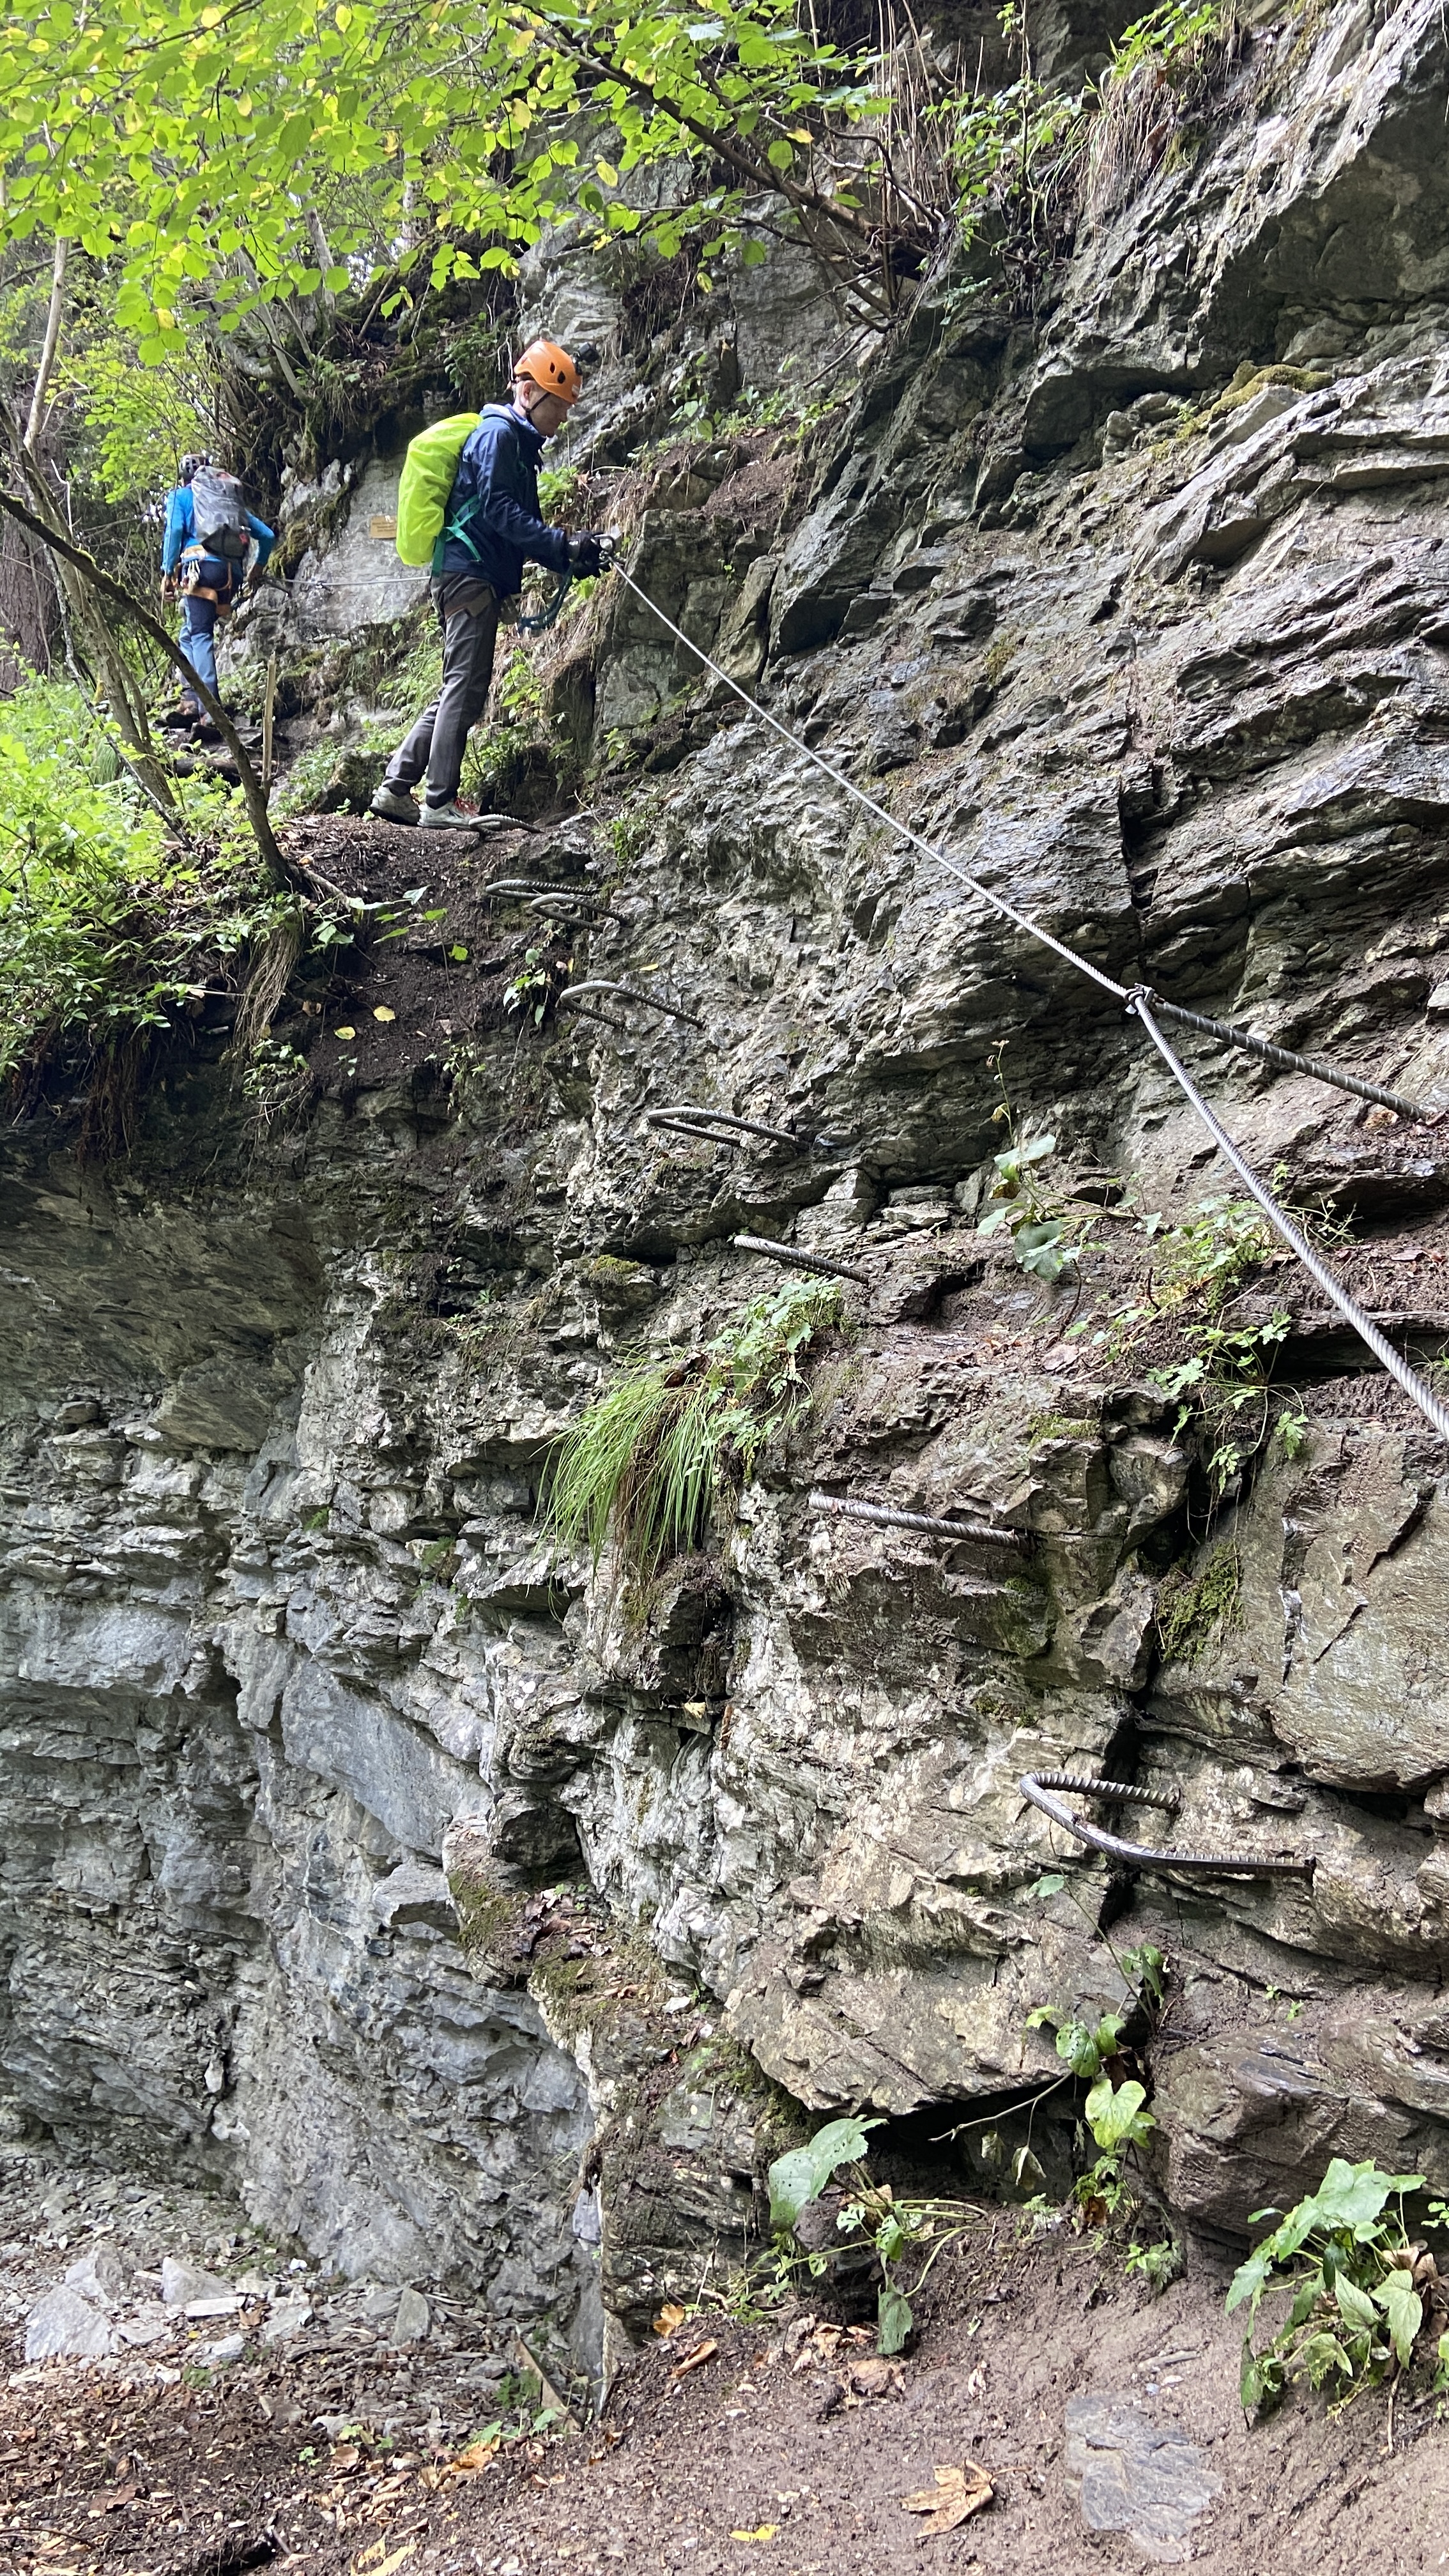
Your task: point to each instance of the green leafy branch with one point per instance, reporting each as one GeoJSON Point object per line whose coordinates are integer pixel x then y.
{"type": "Point", "coordinates": [871, 2214]}
{"type": "Point", "coordinates": [1048, 1226]}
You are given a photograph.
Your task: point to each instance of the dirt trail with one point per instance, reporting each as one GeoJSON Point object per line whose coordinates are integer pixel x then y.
{"type": "Point", "coordinates": [786, 2447]}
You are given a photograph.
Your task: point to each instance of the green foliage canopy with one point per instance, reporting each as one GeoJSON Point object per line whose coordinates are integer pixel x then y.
{"type": "Point", "coordinates": [229, 156]}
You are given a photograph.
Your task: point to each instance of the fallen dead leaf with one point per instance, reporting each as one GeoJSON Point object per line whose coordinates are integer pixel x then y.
{"type": "Point", "coordinates": [702, 2352]}
{"type": "Point", "coordinates": [956, 2495]}
{"type": "Point", "coordinates": [876, 2377]}
{"type": "Point", "coordinates": [669, 2319]}
{"type": "Point", "coordinates": [344, 2455]}
{"type": "Point", "coordinates": [370, 2564]}
{"type": "Point", "coordinates": [766, 2532]}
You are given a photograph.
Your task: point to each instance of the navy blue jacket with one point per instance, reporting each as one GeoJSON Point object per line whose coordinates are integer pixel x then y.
{"type": "Point", "coordinates": [495, 495]}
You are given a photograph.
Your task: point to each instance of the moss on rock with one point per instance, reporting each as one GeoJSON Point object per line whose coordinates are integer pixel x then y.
{"type": "Point", "coordinates": [1191, 1608]}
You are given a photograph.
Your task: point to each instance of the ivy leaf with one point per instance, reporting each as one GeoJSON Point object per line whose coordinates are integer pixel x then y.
{"type": "Point", "coordinates": [800, 2177]}
{"type": "Point", "coordinates": [1403, 2307]}
{"type": "Point", "coordinates": [1116, 2117]}
{"type": "Point", "coordinates": [895, 2319]}
{"type": "Point", "coordinates": [1354, 2305]}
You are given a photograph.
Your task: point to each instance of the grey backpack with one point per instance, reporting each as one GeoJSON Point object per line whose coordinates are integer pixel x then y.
{"type": "Point", "coordinates": [220, 513]}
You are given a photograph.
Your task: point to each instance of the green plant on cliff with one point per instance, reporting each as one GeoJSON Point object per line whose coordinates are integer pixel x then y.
{"type": "Point", "coordinates": [1368, 2300]}
{"type": "Point", "coordinates": [1216, 1366]}
{"type": "Point", "coordinates": [107, 928]}
{"type": "Point", "coordinates": [1191, 1609]}
{"type": "Point", "coordinates": [870, 2213]}
{"type": "Point", "coordinates": [1047, 1223]}
{"type": "Point", "coordinates": [1162, 73]}
{"type": "Point", "coordinates": [647, 1461]}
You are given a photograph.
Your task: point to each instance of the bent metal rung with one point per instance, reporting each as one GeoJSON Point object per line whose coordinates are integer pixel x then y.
{"type": "Point", "coordinates": [1037, 1786]}
{"type": "Point", "coordinates": [687, 1120]}
{"type": "Point", "coordinates": [885, 1516]}
{"type": "Point", "coordinates": [576, 993]}
{"type": "Point", "coordinates": [797, 1260]}
{"type": "Point", "coordinates": [514, 889]}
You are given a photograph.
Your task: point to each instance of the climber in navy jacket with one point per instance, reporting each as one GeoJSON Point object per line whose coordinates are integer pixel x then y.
{"type": "Point", "coordinates": [491, 530]}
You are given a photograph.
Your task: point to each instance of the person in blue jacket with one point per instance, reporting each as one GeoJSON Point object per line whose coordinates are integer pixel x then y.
{"type": "Point", "coordinates": [491, 529]}
{"type": "Point", "coordinates": [209, 584]}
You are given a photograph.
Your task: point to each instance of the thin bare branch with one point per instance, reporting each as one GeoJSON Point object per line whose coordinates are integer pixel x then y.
{"type": "Point", "coordinates": [49, 345]}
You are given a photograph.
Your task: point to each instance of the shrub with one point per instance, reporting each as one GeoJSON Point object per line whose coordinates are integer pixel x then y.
{"type": "Point", "coordinates": [106, 926]}
{"type": "Point", "coordinates": [1366, 2299]}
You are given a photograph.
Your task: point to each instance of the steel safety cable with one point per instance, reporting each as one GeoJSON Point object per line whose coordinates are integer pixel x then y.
{"type": "Point", "coordinates": [1230, 1035]}
{"type": "Point", "coordinates": [882, 813]}
{"type": "Point", "coordinates": [1137, 999]}
{"type": "Point", "coordinates": [1224, 1030]}
{"type": "Point", "coordinates": [1298, 1244]}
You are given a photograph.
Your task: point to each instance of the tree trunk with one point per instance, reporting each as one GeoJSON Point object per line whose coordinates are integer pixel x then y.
{"type": "Point", "coordinates": [36, 421]}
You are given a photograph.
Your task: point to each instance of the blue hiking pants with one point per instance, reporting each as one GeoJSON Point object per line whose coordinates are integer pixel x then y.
{"type": "Point", "coordinates": [198, 626]}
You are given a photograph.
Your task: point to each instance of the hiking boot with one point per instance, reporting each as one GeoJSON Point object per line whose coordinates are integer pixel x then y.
{"type": "Point", "coordinates": [448, 818]}
{"type": "Point", "coordinates": [179, 719]}
{"type": "Point", "coordinates": [394, 804]}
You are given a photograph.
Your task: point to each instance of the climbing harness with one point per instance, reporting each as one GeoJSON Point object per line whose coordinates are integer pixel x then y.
{"type": "Point", "coordinates": [886, 1517]}
{"type": "Point", "coordinates": [574, 995]}
{"type": "Point", "coordinates": [1036, 1785]}
{"type": "Point", "coordinates": [795, 1260]}
{"type": "Point", "coordinates": [1138, 1000]}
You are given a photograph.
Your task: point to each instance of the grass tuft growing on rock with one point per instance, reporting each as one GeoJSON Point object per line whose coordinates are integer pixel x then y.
{"type": "Point", "coordinates": [648, 1461]}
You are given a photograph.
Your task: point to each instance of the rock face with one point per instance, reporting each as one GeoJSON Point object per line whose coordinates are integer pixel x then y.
{"type": "Point", "coordinates": [356, 580]}
{"type": "Point", "coordinates": [1165, 660]}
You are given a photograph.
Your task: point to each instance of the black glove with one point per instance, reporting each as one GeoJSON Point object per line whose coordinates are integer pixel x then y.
{"type": "Point", "coordinates": [586, 557]}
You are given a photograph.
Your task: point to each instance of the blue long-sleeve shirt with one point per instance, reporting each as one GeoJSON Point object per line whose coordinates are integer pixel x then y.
{"type": "Point", "coordinates": [495, 493]}
{"type": "Point", "coordinates": [181, 530]}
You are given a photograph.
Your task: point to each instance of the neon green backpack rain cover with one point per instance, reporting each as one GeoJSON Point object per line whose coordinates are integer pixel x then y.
{"type": "Point", "coordinates": [429, 469]}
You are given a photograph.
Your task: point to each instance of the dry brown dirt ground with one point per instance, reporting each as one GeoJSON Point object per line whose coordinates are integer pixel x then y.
{"type": "Point", "coordinates": [767, 2452]}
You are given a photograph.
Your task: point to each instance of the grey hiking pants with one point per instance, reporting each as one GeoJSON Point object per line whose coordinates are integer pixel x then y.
{"type": "Point", "coordinates": [468, 613]}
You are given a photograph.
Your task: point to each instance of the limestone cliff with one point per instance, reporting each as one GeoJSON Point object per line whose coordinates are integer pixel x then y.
{"type": "Point", "coordinates": [1141, 607]}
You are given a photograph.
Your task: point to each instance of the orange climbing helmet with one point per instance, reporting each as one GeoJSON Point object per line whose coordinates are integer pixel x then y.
{"type": "Point", "coordinates": [550, 368]}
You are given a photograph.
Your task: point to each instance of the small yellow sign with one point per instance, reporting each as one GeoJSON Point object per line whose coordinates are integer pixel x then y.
{"type": "Point", "coordinates": [382, 527]}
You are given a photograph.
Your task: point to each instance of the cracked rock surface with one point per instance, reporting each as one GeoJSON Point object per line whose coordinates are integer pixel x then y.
{"type": "Point", "coordinates": [301, 1711]}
